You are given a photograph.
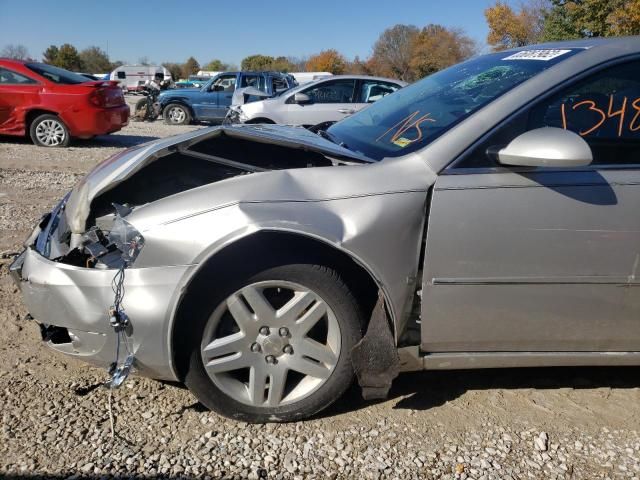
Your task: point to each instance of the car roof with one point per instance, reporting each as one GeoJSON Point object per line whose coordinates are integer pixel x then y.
{"type": "Point", "coordinates": [351, 77]}
{"type": "Point", "coordinates": [627, 43]}
{"type": "Point", "coordinates": [13, 61]}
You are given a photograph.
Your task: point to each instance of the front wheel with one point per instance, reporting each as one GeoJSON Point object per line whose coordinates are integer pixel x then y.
{"type": "Point", "coordinates": [176, 114]}
{"type": "Point", "coordinates": [276, 346]}
{"type": "Point", "coordinates": [49, 131]}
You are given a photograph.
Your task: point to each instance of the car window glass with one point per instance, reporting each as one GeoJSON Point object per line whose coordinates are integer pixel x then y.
{"type": "Point", "coordinates": [122, 75]}
{"type": "Point", "coordinates": [278, 84]}
{"type": "Point", "coordinates": [371, 90]}
{"type": "Point", "coordinates": [250, 81]}
{"type": "Point", "coordinates": [225, 83]}
{"type": "Point", "coordinates": [604, 109]}
{"type": "Point", "coordinates": [336, 91]}
{"type": "Point", "coordinates": [416, 115]}
{"type": "Point", "coordinates": [56, 75]}
{"type": "Point", "coordinates": [8, 77]}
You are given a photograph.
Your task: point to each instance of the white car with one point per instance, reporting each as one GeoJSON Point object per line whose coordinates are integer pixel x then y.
{"type": "Point", "coordinates": [325, 100]}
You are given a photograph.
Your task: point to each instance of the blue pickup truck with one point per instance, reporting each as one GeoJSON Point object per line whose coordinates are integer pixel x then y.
{"type": "Point", "coordinates": [210, 102]}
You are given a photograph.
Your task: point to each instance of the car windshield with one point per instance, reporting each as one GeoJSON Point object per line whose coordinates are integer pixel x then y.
{"type": "Point", "coordinates": [414, 116]}
{"type": "Point", "coordinates": [57, 75]}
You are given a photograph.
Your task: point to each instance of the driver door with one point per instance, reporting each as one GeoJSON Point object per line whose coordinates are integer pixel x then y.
{"type": "Point", "coordinates": [16, 90]}
{"type": "Point", "coordinates": [331, 100]}
{"type": "Point", "coordinates": [215, 98]}
{"type": "Point", "coordinates": [542, 259]}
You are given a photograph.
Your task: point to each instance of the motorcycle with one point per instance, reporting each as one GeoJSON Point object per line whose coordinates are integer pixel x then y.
{"type": "Point", "coordinates": [148, 108]}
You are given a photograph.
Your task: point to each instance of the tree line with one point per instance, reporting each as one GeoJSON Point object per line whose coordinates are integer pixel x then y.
{"type": "Point", "coordinates": [406, 52]}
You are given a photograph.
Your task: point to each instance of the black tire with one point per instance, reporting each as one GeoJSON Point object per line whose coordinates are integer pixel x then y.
{"type": "Point", "coordinates": [264, 121]}
{"type": "Point", "coordinates": [169, 120]}
{"type": "Point", "coordinates": [42, 121]}
{"type": "Point", "coordinates": [330, 287]}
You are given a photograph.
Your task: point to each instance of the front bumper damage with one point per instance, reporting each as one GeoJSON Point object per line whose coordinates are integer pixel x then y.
{"type": "Point", "coordinates": [71, 305]}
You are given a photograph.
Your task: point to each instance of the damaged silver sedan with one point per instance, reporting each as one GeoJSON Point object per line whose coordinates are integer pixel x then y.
{"type": "Point", "coordinates": [485, 216]}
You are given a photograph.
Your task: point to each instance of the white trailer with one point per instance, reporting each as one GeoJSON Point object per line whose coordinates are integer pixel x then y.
{"type": "Point", "coordinates": [207, 73]}
{"type": "Point", "coordinates": [306, 77]}
{"type": "Point", "coordinates": [133, 77]}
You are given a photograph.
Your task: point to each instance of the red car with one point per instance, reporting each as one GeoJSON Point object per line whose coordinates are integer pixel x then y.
{"type": "Point", "coordinates": [52, 104]}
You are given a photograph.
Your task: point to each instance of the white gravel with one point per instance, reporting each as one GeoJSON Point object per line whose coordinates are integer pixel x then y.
{"type": "Point", "coordinates": [506, 424]}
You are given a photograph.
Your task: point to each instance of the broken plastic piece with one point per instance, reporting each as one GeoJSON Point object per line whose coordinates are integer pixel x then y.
{"type": "Point", "coordinates": [120, 374]}
{"type": "Point", "coordinates": [375, 358]}
{"type": "Point", "coordinates": [118, 319]}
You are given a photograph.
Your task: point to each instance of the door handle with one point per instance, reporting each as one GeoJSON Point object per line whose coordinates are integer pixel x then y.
{"type": "Point", "coordinates": [346, 110]}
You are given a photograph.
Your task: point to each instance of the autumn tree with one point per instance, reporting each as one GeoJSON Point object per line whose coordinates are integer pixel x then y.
{"type": "Point", "coordinates": [510, 29]}
{"type": "Point", "coordinates": [625, 21]}
{"type": "Point", "coordinates": [94, 59]}
{"type": "Point", "coordinates": [327, 61]}
{"type": "Point", "coordinates": [392, 52]}
{"type": "Point", "coordinates": [568, 19]}
{"type": "Point", "coordinates": [18, 52]}
{"type": "Point", "coordinates": [190, 67]}
{"type": "Point", "coordinates": [358, 67]}
{"type": "Point", "coordinates": [437, 47]}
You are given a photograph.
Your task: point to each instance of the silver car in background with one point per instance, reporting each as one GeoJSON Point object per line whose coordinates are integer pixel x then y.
{"type": "Point", "coordinates": [485, 216]}
{"type": "Point", "coordinates": [326, 100]}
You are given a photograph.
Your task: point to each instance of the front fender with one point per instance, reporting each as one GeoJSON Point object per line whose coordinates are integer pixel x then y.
{"type": "Point", "coordinates": [382, 233]}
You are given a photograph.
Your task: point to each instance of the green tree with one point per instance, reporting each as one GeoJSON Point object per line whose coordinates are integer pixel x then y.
{"type": "Point", "coordinates": [568, 19]}
{"type": "Point", "coordinates": [257, 62]}
{"type": "Point", "coordinates": [50, 55]}
{"type": "Point", "coordinates": [215, 66]}
{"type": "Point", "coordinates": [190, 67]}
{"type": "Point", "coordinates": [174, 68]}
{"type": "Point", "coordinates": [95, 60]}
{"type": "Point", "coordinates": [68, 58]}
{"type": "Point", "coordinates": [437, 47]}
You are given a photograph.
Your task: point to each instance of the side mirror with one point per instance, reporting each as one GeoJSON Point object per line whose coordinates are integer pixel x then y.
{"type": "Point", "coordinates": [547, 147]}
{"type": "Point", "coordinates": [301, 98]}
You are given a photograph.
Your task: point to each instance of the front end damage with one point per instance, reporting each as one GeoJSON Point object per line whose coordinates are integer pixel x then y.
{"type": "Point", "coordinates": [104, 273]}
{"type": "Point", "coordinates": [69, 270]}
{"type": "Point", "coordinates": [69, 293]}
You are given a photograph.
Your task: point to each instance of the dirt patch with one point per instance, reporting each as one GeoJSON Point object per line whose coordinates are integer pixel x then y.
{"type": "Point", "coordinates": [537, 423]}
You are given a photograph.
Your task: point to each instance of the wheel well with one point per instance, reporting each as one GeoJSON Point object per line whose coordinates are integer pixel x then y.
{"type": "Point", "coordinates": [270, 248]}
{"type": "Point", "coordinates": [33, 114]}
{"type": "Point", "coordinates": [260, 120]}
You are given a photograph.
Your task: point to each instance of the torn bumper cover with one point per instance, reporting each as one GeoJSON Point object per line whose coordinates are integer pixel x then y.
{"type": "Point", "coordinates": [71, 305]}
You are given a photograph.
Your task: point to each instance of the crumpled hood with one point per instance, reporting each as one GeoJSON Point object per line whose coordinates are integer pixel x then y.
{"type": "Point", "coordinates": [112, 171]}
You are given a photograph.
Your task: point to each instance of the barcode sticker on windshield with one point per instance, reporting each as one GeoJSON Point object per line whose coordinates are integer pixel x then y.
{"type": "Point", "coordinates": [543, 55]}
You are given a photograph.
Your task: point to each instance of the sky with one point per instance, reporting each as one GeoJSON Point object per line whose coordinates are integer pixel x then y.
{"type": "Point", "coordinates": [229, 30]}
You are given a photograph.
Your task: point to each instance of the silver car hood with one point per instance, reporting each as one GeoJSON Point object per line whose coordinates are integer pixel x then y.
{"type": "Point", "coordinates": [114, 170]}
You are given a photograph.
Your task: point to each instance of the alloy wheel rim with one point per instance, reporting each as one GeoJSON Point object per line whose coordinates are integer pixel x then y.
{"type": "Point", "coordinates": [271, 344]}
{"type": "Point", "coordinates": [50, 133]}
{"type": "Point", "coordinates": [176, 115]}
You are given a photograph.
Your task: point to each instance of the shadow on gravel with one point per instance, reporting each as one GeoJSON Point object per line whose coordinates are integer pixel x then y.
{"type": "Point", "coordinates": [115, 141]}
{"type": "Point", "coordinates": [425, 390]}
{"type": "Point", "coordinates": [88, 476]}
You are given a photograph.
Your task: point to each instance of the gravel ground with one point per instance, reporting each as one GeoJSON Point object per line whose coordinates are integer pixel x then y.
{"type": "Point", "coordinates": [506, 424]}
